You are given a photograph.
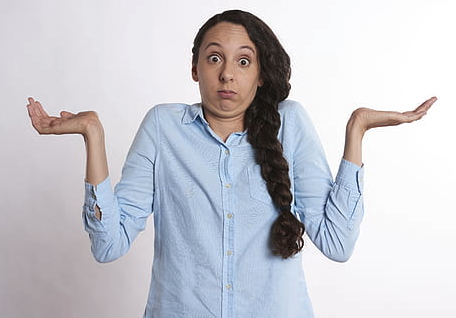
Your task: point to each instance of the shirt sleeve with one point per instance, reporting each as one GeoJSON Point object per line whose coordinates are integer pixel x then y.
{"type": "Point", "coordinates": [330, 210]}
{"type": "Point", "coordinates": [124, 210]}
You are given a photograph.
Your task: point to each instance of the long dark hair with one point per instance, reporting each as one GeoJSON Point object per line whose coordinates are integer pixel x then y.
{"type": "Point", "coordinates": [262, 121]}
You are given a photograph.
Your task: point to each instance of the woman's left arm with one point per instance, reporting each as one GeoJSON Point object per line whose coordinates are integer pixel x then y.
{"type": "Point", "coordinates": [363, 119]}
{"type": "Point", "coordinates": [332, 211]}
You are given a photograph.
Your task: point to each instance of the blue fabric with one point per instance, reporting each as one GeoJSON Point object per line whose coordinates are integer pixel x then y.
{"type": "Point", "coordinates": [213, 215]}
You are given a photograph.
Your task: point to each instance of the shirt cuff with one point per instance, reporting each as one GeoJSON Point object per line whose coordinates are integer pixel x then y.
{"type": "Point", "coordinates": [102, 196]}
{"type": "Point", "coordinates": [351, 175]}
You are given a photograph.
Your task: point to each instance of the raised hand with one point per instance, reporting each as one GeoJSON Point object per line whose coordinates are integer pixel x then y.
{"type": "Point", "coordinates": [363, 119]}
{"type": "Point", "coordinates": [67, 123]}
{"type": "Point", "coordinates": [369, 118]}
{"type": "Point", "coordinates": [84, 123]}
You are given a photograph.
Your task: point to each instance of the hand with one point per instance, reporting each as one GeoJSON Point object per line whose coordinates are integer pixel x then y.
{"type": "Point", "coordinates": [68, 123]}
{"type": "Point", "coordinates": [363, 119]}
{"type": "Point", "coordinates": [366, 118]}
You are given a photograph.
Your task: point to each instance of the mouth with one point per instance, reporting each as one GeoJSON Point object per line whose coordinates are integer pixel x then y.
{"type": "Point", "coordinates": [226, 94]}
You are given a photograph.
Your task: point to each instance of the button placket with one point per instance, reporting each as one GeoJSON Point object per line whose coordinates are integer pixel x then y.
{"type": "Point", "coordinates": [228, 233]}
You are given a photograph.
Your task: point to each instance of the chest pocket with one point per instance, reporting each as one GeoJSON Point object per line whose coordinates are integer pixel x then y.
{"type": "Point", "coordinates": [257, 185]}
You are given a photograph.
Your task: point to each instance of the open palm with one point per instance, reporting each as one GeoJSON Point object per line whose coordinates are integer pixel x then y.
{"type": "Point", "coordinates": [67, 123]}
{"type": "Point", "coordinates": [371, 118]}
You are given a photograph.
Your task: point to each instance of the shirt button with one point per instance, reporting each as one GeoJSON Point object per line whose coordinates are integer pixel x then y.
{"type": "Point", "coordinates": [227, 152]}
{"type": "Point", "coordinates": [228, 286]}
{"type": "Point", "coordinates": [229, 253]}
{"type": "Point", "coordinates": [228, 185]}
{"type": "Point", "coordinates": [229, 215]}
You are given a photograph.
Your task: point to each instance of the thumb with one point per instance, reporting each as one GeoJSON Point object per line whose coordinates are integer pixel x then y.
{"type": "Point", "coordinates": [65, 114]}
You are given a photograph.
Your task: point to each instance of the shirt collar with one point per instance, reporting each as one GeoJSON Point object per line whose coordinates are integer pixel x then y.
{"type": "Point", "coordinates": [192, 112]}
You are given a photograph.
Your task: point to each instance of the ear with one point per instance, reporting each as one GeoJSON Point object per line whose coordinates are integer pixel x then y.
{"type": "Point", "coordinates": [194, 73]}
{"type": "Point", "coordinates": [260, 82]}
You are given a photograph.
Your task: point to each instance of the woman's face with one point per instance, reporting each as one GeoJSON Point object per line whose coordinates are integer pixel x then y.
{"type": "Point", "coordinates": [227, 71]}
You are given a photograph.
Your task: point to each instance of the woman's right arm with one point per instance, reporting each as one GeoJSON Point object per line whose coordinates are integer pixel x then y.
{"type": "Point", "coordinates": [86, 124]}
{"type": "Point", "coordinates": [112, 219]}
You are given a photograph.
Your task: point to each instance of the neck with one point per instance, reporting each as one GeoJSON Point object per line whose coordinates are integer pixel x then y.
{"type": "Point", "coordinates": [224, 127]}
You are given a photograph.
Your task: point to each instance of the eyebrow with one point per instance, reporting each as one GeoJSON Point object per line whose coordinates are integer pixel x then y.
{"type": "Point", "coordinates": [241, 47]}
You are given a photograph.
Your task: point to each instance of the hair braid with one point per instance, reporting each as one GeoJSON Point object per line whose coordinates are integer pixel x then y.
{"type": "Point", "coordinates": [262, 127]}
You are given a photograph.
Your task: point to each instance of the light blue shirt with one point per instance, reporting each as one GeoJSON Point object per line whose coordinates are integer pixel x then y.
{"type": "Point", "coordinates": [213, 215]}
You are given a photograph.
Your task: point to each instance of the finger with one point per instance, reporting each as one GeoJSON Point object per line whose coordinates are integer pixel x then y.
{"type": "Point", "coordinates": [41, 110]}
{"type": "Point", "coordinates": [31, 114]}
{"type": "Point", "coordinates": [29, 109]}
{"type": "Point", "coordinates": [433, 99]}
{"type": "Point", "coordinates": [397, 118]}
{"type": "Point", "coordinates": [32, 109]}
{"type": "Point", "coordinates": [30, 100]}
{"type": "Point", "coordinates": [427, 104]}
{"type": "Point", "coordinates": [415, 113]}
{"type": "Point", "coordinates": [35, 108]}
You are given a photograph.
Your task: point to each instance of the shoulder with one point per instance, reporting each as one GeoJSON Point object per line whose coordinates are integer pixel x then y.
{"type": "Point", "coordinates": [289, 104]}
{"type": "Point", "coordinates": [167, 109]}
{"type": "Point", "coordinates": [166, 113]}
{"type": "Point", "coordinates": [296, 129]}
{"type": "Point", "coordinates": [293, 113]}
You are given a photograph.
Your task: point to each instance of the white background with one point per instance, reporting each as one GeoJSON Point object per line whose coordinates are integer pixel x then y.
{"type": "Point", "coordinates": [122, 57]}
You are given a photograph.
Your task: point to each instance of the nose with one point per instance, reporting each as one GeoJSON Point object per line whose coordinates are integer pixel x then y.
{"type": "Point", "coordinates": [226, 73]}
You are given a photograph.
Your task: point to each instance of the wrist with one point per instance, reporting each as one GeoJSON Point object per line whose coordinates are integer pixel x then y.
{"type": "Point", "coordinates": [355, 125]}
{"type": "Point", "coordinates": [92, 127]}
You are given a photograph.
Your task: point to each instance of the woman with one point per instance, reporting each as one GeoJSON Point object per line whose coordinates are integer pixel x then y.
{"type": "Point", "coordinates": [233, 182]}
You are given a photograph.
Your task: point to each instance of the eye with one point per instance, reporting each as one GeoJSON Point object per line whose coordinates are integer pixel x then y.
{"type": "Point", "coordinates": [214, 58]}
{"type": "Point", "coordinates": [244, 62]}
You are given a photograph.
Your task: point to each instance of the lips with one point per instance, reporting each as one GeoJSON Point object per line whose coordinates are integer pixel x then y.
{"type": "Point", "coordinates": [226, 94]}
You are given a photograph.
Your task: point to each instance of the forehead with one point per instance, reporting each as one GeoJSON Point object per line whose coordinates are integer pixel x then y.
{"type": "Point", "coordinates": [227, 35]}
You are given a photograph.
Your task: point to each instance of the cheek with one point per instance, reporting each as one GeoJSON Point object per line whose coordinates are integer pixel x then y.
{"type": "Point", "coordinates": [203, 76]}
{"type": "Point", "coordinates": [203, 84]}
{"type": "Point", "coordinates": [252, 80]}
{"type": "Point", "coordinates": [204, 88]}
{"type": "Point", "coordinates": [252, 84]}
